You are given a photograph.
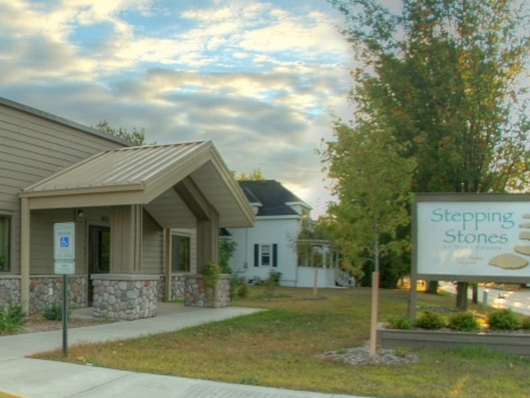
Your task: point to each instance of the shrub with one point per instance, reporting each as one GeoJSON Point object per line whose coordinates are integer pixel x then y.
{"type": "Point", "coordinates": [430, 320]}
{"type": "Point", "coordinates": [243, 290]}
{"type": "Point", "coordinates": [11, 318]}
{"type": "Point", "coordinates": [272, 282]}
{"type": "Point", "coordinates": [54, 312]}
{"type": "Point", "coordinates": [463, 321]}
{"type": "Point", "coordinates": [503, 320]}
{"type": "Point", "coordinates": [211, 274]}
{"type": "Point", "coordinates": [525, 323]}
{"type": "Point", "coordinates": [401, 322]}
{"type": "Point", "coordinates": [238, 288]}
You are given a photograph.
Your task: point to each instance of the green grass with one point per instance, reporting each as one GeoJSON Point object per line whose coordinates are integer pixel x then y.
{"type": "Point", "coordinates": [280, 348]}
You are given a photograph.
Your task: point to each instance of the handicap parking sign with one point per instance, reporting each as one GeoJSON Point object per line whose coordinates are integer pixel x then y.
{"type": "Point", "coordinates": [64, 241]}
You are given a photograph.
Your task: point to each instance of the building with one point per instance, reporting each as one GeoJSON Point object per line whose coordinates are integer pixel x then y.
{"type": "Point", "coordinates": [131, 206]}
{"type": "Point", "coordinates": [271, 245]}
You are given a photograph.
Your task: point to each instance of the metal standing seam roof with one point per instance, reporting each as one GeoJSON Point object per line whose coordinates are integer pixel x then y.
{"type": "Point", "coordinates": [132, 166]}
{"type": "Point", "coordinates": [145, 175]}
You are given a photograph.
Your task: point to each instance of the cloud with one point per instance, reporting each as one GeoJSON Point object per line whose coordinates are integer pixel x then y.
{"type": "Point", "coordinates": [258, 78]}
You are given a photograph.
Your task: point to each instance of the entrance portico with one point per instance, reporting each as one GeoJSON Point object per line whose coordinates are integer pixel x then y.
{"type": "Point", "coordinates": [149, 190]}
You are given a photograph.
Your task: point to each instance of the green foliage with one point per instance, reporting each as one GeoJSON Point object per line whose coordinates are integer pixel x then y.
{"type": "Point", "coordinates": [254, 175]}
{"type": "Point", "coordinates": [238, 288]}
{"type": "Point", "coordinates": [503, 320]}
{"type": "Point", "coordinates": [135, 137]}
{"type": "Point", "coordinates": [430, 320]}
{"type": "Point", "coordinates": [54, 312]}
{"type": "Point", "coordinates": [271, 283]}
{"type": "Point", "coordinates": [211, 274]}
{"type": "Point", "coordinates": [227, 248]}
{"type": "Point", "coordinates": [3, 263]}
{"type": "Point", "coordinates": [525, 323]}
{"type": "Point", "coordinates": [463, 321]}
{"type": "Point", "coordinates": [401, 322]}
{"type": "Point", "coordinates": [11, 318]}
{"type": "Point", "coordinates": [441, 84]}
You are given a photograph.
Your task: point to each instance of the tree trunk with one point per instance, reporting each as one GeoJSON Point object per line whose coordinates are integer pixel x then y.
{"type": "Point", "coordinates": [461, 296]}
{"type": "Point", "coordinates": [432, 287]}
{"type": "Point", "coordinates": [474, 290]}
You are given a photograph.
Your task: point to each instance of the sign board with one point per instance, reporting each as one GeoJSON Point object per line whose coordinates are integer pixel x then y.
{"type": "Point", "coordinates": [64, 241]}
{"type": "Point", "coordinates": [64, 248]}
{"type": "Point", "coordinates": [478, 237]}
{"type": "Point", "coordinates": [64, 267]}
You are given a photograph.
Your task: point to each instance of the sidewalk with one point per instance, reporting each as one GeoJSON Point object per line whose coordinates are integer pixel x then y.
{"type": "Point", "coordinates": [33, 378]}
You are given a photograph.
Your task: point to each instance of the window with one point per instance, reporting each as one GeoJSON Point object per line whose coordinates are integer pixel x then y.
{"type": "Point", "coordinates": [5, 242]}
{"type": "Point", "coordinates": [265, 255]}
{"type": "Point", "coordinates": [180, 261]}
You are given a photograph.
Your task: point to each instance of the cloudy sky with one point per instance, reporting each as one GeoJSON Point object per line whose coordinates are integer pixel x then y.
{"type": "Point", "coordinates": [259, 78]}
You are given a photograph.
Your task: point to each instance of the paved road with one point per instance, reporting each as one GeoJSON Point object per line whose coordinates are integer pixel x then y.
{"type": "Point", "coordinates": [33, 378]}
{"type": "Point", "coordinates": [518, 301]}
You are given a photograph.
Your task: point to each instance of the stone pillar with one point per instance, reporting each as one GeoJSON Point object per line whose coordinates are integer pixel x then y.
{"type": "Point", "coordinates": [10, 289]}
{"type": "Point", "coordinates": [46, 290]}
{"type": "Point", "coordinates": [124, 296]}
{"type": "Point", "coordinates": [195, 294]}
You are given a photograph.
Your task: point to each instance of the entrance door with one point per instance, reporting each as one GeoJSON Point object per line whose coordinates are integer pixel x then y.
{"type": "Point", "coordinates": [98, 254]}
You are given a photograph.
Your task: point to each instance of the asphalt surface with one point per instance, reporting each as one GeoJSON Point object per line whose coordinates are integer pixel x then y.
{"type": "Point", "coordinates": [34, 378]}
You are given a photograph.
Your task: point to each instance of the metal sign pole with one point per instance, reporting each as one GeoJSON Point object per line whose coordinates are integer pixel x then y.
{"type": "Point", "coordinates": [65, 316]}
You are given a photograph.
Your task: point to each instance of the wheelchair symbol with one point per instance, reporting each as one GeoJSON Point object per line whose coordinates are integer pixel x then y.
{"type": "Point", "coordinates": [65, 242]}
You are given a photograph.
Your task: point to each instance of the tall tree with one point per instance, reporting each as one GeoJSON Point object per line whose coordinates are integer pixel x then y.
{"type": "Point", "coordinates": [373, 184]}
{"type": "Point", "coordinates": [134, 137]}
{"type": "Point", "coordinates": [254, 175]}
{"type": "Point", "coordinates": [445, 78]}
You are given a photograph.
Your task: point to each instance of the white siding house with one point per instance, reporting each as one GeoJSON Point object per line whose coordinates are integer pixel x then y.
{"type": "Point", "coordinates": [271, 244]}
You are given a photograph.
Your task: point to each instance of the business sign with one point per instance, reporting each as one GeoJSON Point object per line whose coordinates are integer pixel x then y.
{"type": "Point", "coordinates": [482, 237]}
{"type": "Point", "coordinates": [64, 248]}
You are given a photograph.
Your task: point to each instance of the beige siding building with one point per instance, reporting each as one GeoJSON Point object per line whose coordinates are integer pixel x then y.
{"type": "Point", "coordinates": [146, 218]}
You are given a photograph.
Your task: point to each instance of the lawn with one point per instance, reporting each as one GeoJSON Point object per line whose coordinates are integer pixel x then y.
{"type": "Point", "coordinates": [281, 348]}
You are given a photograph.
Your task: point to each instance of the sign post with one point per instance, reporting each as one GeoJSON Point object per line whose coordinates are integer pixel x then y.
{"type": "Point", "coordinates": [64, 264]}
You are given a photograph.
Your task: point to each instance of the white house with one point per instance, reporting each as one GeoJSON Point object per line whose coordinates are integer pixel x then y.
{"type": "Point", "coordinates": [271, 244]}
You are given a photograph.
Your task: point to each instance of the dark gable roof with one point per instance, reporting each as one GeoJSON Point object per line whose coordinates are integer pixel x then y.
{"type": "Point", "coordinates": [272, 196]}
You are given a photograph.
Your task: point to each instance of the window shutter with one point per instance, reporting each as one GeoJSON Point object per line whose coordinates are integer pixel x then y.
{"type": "Point", "coordinates": [275, 255]}
{"type": "Point", "coordinates": [256, 255]}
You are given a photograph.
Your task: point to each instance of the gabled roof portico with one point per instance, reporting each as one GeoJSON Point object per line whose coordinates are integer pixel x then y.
{"type": "Point", "coordinates": [179, 185]}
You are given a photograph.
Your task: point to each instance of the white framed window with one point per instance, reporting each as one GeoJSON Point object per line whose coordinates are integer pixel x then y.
{"type": "Point", "coordinates": [5, 243]}
{"type": "Point", "coordinates": [265, 255]}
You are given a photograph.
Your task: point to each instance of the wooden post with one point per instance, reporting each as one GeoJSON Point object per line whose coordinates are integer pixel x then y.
{"type": "Point", "coordinates": [375, 305]}
{"type": "Point", "coordinates": [25, 228]}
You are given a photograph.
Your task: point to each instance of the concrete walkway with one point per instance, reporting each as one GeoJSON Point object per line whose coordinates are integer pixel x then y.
{"type": "Point", "coordinates": [33, 378]}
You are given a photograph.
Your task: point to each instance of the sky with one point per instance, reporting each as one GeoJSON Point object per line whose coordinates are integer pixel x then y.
{"type": "Point", "coordinates": [258, 78]}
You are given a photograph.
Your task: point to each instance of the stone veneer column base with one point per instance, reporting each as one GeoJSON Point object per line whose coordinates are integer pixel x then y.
{"type": "Point", "coordinates": [9, 289]}
{"type": "Point", "coordinates": [178, 282]}
{"type": "Point", "coordinates": [195, 295]}
{"type": "Point", "coordinates": [124, 296]}
{"type": "Point", "coordinates": [47, 290]}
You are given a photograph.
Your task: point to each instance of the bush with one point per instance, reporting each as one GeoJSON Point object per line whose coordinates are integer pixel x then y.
{"type": "Point", "coordinates": [525, 323]}
{"type": "Point", "coordinates": [401, 322]}
{"type": "Point", "coordinates": [463, 321]}
{"type": "Point", "coordinates": [54, 312]}
{"type": "Point", "coordinates": [238, 288]}
{"type": "Point", "coordinates": [272, 282]}
{"type": "Point", "coordinates": [430, 320]}
{"type": "Point", "coordinates": [503, 320]}
{"type": "Point", "coordinates": [11, 318]}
